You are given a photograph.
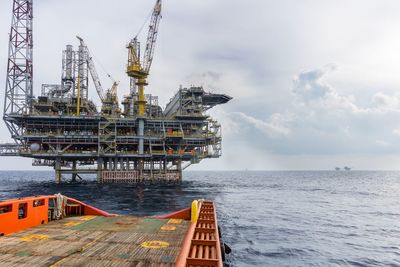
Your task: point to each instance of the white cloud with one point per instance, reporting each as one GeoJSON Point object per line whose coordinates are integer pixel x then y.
{"type": "Point", "coordinates": [396, 131]}
{"type": "Point", "coordinates": [309, 87]}
{"type": "Point", "coordinates": [386, 102]}
{"type": "Point", "coordinates": [311, 90]}
{"type": "Point", "coordinates": [275, 126]}
{"type": "Point", "coordinates": [382, 143]}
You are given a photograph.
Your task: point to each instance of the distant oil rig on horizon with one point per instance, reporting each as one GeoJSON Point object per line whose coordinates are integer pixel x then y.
{"type": "Point", "coordinates": [62, 128]}
{"type": "Point", "coordinates": [345, 168]}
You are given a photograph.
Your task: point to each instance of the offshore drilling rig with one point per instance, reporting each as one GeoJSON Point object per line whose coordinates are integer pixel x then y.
{"type": "Point", "coordinates": [62, 128]}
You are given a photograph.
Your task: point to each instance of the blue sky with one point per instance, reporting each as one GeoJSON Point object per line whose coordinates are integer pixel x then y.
{"type": "Point", "coordinates": [315, 83]}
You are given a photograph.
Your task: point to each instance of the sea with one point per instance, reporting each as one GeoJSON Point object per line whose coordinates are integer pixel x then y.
{"type": "Point", "coordinates": [268, 218]}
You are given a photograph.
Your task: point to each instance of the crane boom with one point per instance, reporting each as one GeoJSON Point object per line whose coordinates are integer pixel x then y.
{"type": "Point", "coordinates": [93, 72]}
{"type": "Point", "coordinates": [137, 69]}
{"type": "Point", "coordinates": [152, 36]}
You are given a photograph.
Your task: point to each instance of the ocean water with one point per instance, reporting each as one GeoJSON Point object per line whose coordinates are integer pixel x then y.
{"type": "Point", "coordinates": [296, 218]}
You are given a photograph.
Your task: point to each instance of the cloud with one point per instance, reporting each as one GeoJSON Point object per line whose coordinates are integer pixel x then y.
{"type": "Point", "coordinates": [396, 131]}
{"type": "Point", "coordinates": [320, 120]}
{"type": "Point", "coordinates": [382, 143]}
{"type": "Point", "coordinates": [385, 102]}
{"type": "Point", "coordinates": [337, 120]}
{"type": "Point", "coordinates": [275, 126]}
{"type": "Point", "coordinates": [309, 87]}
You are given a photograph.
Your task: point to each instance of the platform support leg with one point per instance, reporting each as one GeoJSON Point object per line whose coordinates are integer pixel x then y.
{"type": "Point", "coordinates": [151, 169]}
{"type": "Point", "coordinates": [121, 164]}
{"type": "Point", "coordinates": [140, 168]}
{"type": "Point", "coordinates": [115, 164]}
{"type": "Point", "coordinates": [74, 173]}
{"type": "Point", "coordinates": [179, 167]}
{"type": "Point", "coordinates": [57, 168]}
{"type": "Point", "coordinates": [140, 135]}
{"type": "Point", "coordinates": [110, 164]}
{"type": "Point", "coordinates": [99, 170]}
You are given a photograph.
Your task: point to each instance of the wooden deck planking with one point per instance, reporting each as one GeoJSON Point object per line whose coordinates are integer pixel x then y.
{"type": "Point", "coordinates": [96, 241]}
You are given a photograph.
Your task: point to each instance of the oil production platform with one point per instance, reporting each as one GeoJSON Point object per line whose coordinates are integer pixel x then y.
{"type": "Point", "coordinates": [134, 140]}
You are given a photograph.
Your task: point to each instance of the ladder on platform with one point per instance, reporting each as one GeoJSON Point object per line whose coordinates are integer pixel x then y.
{"type": "Point", "coordinates": [107, 137]}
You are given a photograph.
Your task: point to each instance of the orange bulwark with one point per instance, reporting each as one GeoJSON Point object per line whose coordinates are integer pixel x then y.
{"type": "Point", "coordinates": [60, 231]}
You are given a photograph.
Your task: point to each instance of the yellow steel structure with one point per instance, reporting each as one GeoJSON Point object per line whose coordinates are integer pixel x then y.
{"type": "Point", "coordinates": [136, 71]}
{"type": "Point", "coordinates": [194, 211]}
{"type": "Point", "coordinates": [140, 70]}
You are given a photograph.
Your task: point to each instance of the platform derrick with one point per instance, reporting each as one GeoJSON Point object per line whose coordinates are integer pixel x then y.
{"type": "Point", "coordinates": [136, 142]}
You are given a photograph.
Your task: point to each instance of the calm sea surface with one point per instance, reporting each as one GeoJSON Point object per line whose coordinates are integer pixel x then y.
{"type": "Point", "coordinates": [268, 218]}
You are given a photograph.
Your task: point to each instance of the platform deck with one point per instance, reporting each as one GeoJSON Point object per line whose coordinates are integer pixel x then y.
{"type": "Point", "coordinates": [96, 241]}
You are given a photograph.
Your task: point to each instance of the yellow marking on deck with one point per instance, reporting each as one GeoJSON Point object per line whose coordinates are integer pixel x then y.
{"type": "Point", "coordinates": [87, 217]}
{"type": "Point", "coordinates": [92, 242]}
{"type": "Point", "coordinates": [175, 221]}
{"type": "Point", "coordinates": [155, 244]}
{"type": "Point", "coordinates": [34, 237]}
{"type": "Point", "coordinates": [70, 224]}
{"type": "Point", "coordinates": [167, 227]}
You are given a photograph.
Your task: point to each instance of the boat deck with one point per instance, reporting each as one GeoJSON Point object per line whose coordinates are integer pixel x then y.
{"type": "Point", "coordinates": [96, 241]}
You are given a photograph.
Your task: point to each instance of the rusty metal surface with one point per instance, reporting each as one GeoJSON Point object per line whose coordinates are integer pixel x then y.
{"type": "Point", "coordinates": [96, 241]}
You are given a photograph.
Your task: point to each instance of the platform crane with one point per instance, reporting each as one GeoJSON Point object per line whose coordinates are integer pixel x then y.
{"type": "Point", "coordinates": [110, 103]}
{"type": "Point", "coordinates": [137, 68]}
{"type": "Point", "coordinates": [92, 69]}
{"type": "Point", "coordinates": [109, 99]}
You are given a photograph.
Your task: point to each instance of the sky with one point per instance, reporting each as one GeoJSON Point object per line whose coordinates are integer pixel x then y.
{"type": "Point", "coordinates": [315, 84]}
